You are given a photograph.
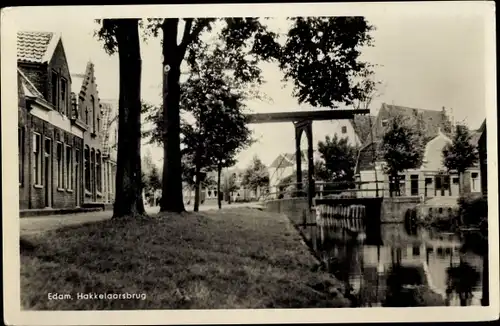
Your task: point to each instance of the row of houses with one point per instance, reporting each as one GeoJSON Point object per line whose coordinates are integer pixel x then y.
{"type": "Point", "coordinates": [429, 180]}
{"type": "Point", "coordinates": [67, 135]}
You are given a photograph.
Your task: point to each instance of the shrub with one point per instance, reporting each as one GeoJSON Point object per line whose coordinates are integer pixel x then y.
{"type": "Point", "coordinates": [473, 210]}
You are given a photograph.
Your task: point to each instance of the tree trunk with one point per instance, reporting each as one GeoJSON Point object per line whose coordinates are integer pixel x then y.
{"type": "Point", "coordinates": [197, 186]}
{"type": "Point", "coordinates": [128, 200]}
{"type": "Point", "coordinates": [172, 200]}
{"type": "Point", "coordinates": [460, 184]}
{"type": "Point", "coordinates": [219, 199]}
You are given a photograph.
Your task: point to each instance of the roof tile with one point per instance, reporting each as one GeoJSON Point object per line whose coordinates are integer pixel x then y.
{"type": "Point", "coordinates": [32, 46]}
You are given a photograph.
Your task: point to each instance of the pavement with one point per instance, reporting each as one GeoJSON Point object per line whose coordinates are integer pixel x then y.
{"type": "Point", "coordinates": [33, 225]}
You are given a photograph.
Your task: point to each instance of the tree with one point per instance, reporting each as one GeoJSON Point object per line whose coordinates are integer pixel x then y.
{"type": "Point", "coordinates": [230, 185]}
{"type": "Point", "coordinates": [339, 162]}
{"type": "Point", "coordinates": [446, 124]}
{"type": "Point", "coordinates": [122, 36]}
{"type": "Point", "coordinates": [318, 52]}
{"type": "Point", "coordinates": [402, 148]}
{"type": "Point", "coordinates": [214, 99]}
{"type": "Point", "coordinates": [460, 154]}
{"type": "Point", "coordinates": [256, 175]}
{"type": "Point", "coordinates": [154, 181]}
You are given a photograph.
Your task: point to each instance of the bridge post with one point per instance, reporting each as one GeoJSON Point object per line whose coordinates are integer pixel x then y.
{"type": "Point", "coordinates": [298, 158]}
{"type": "Point", "coordinates": [310, 164]}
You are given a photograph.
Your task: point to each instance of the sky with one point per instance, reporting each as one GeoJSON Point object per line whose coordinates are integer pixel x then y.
{"type": "Point", "coordinates": [424, 62]}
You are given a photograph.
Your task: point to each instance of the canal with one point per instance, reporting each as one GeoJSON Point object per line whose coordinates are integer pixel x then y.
{"type": "Point", "coordinates": [389, 266]}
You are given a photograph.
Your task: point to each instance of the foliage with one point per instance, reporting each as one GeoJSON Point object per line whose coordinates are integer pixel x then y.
{"type": "Point", "coordinates": [402, 147]}
{"type": "Point", "coordinates": [339, 159]}
{"type": "Point", "coordinates": [461, 153]}
{"type": "Point", "coordinates": [473, 214]}
{"type": "Point", "coordinates": [215, 102]}
{"type": "Point", "coordinates": [318, 52]}
{"type": "Point", "coordinates": [256, 175]}
{"type": "Point", "coordinates": [230, 183]}
{"type": "Point", "coordinates": [446, 123]}
{"type": "Point", "coordinates": [154, 180]}
{"type": "Point", "coordinates": [473, 210]}
{"type": "Point", "coordinates": [323, 51]}
{"type": "Point", "coordinates": [462, 279]}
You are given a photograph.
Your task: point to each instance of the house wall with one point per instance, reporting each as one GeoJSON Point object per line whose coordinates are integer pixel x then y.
{"type": "Point", "coordinates": [53, 126]}
{"type": "Point", "coordinates": [58, 64]}
{"type": "Point", "coordinates": [90, 108]}
{"type": "Point", "coordinates": [57, 195]}
{"type": "Point", "coordinates": [340, 128]}
{"type": "Point", "coordinates": [24, 132]}
{"type": "Point", "coordinates": [425, 176]}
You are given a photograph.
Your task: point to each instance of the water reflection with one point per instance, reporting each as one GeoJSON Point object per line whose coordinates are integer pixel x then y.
{"type": "Point", "coordinates": [405, 267]}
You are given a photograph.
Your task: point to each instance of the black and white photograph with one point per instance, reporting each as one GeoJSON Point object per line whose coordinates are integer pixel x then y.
{"type": "Point", "coordinates": [192, 163]}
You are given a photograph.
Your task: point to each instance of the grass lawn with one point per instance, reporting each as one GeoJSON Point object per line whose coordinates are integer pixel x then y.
{"type": "Point", "coordinates": [233, 258]}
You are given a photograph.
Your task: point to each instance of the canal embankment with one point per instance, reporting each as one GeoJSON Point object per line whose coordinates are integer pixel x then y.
{"type": "Point", "coordinates": [219, 259]}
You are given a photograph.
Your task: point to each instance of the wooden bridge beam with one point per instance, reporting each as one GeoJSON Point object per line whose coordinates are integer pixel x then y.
{"type": "Point", "coordinates": [294, 116]}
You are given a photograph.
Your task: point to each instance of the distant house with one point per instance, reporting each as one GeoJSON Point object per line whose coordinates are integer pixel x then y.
{"type": "Point", "coordinates": [483, 163]}
{"type": "Point", "coordinates": [356, 131]}
{"type": "Point", "coordinates": [89, 109]}
{"type": "Point", "coordinates": [109, 144]}
{"type": "Point", "coordinates": [430, 179]}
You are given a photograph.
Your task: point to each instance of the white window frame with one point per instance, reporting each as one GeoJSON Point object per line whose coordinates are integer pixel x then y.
{"type": "Point", "coordinates": [37, 168]}
{"type": "Point", "coordinates": [69, 167]}
{"type": "Point", "coordinates": [60, 166]}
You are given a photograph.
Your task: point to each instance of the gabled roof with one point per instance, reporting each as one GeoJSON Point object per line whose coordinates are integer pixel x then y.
{"type": "Point", "coordinates": [29, 89]}
{"type": "Point", "coordinates": [80, 81]}
{"type": "Point", "coordinates": [286, 160]}
{"type": "Point", "coordinates": [432, 121]}
{"type": "Point", "coordinates": [362, 125]}
{"type": "Point", "coordinates": [475, 135]}
{"type": "Point", "coordinates": [36, 47]}
{"type": "Point", "coordinates": [109, 116]}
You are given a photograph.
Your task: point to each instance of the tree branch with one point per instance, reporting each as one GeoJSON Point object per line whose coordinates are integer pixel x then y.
{"type": "Point", "coordinates": [188, 37]}
{"type": "Point", "coordinates": [187, 29]}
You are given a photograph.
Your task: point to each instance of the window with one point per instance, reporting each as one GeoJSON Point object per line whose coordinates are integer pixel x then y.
{"type": "Point", "coordinates": [98, 168]}
{"type": "Point", "coordinates": [98, 124]}
{"type": "Point", "coordinates": [474, 176]}
{"type": "Point", "coordinates": [55, 84]}
{"type": "Point", "coordinates": [37, 159]}
{"type": "Point", "coordinates": [60, 172]}
{"type": "Point", "coordinates": [455, 181]}
{"type": "Point", "coordinates": [86, 160]}
{"type": "Point", "coordinates": [384, 123]}
{"type": "Point", "coordinates": [414, 184]}
{"type": "Point", "coordinates": [87, 116]}
{"type": "Point", "coordinates": [92, 171]}
{"type": "Point", "coordinates": [416, 251]}
{"type": "Point", "coordinates": [20, 150]}
{"type": "Point", "coordinates": [92, 99]}
{"type": "Point", "coordinates": [344, 129]}
{"type": "Point", "coordinates": [64, 94]}
{"type": "Point", "coordinates": [69, 168]}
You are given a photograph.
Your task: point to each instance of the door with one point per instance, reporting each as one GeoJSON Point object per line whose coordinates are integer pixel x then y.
{"type": "Point", "coordinates": [46, 174]}
{"type": "Point", "coordinates": [77, 178]}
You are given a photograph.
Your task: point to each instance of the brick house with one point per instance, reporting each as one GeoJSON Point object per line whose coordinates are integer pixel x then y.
{"type": "Point", "coordinates": [109, 147]}
{"type": "Point", "coordinates": [430, 179]}
{"type": "Point", "coordinates": [50, 138]}
{"type": "Point", "coordinates": [88, 110]}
